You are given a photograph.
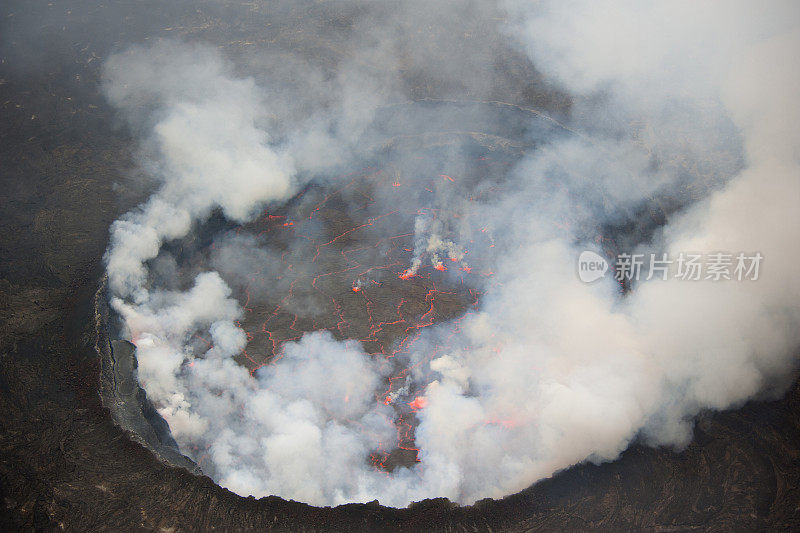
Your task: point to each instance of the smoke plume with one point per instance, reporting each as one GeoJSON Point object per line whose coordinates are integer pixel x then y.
{"type": "Point", "coordinates": [688, 108]}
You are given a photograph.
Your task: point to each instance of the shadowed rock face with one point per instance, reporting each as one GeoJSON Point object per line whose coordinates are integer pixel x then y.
{"type": "Point", "coordinates": [130, 407]}
{"type": "Point", "coordinates": [65, 462]}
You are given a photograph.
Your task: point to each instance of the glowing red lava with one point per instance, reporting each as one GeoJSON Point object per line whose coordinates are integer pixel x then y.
{"type": "Point", "coordinates": [388, 320]}
{"type": "Point", "coordinates": [418, 403]}
{"type": "Point", "coordinates": [406, 274]}
{"type": "Point", "coordinates": [507, 423]}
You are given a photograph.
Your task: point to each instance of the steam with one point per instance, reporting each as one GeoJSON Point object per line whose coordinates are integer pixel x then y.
{"type": "Point", "coordinates": [206, 148]}
{"type": "Point", "coordinates": [677, 104]}
{"type": "Point", "coordinates": [429, 244]}
{"type": "Point", "coordinates": [576, 371]}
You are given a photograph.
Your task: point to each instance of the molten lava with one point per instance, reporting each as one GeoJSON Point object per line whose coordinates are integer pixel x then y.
{"type": "Point", "coordinates": [387, 320]}
{"type": "Point", "coordinates": [418, 403]}
{"type": "Point", "coordinates": [406, 274]}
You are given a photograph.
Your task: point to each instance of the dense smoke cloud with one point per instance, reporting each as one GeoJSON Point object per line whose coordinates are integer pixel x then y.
{"type": "Point", "coordinates": [210, 152]}
{"type": "Point", "coordinates": [576, 370]}
{"type": "Point", "coordinates": [669, 99]}
{"type": "Point", "coordinates": [206, 147]}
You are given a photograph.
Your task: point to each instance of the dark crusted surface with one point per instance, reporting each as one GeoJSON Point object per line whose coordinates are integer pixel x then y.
{"type": "Point", "coordinates": [63, 462]}
{"type": "Point", "coordinates": [127, 401]}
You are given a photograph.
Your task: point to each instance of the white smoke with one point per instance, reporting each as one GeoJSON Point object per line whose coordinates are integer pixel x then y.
{"type": "Point", "coordinates": [550, 372]}
{"type": "Point", "coordinates": [576, 372]}
{"type": "Point", "coordinates": [301, 428]}
{"type": "Point", "coordinates": [429, 244]}
{"type": "Point", "coordinates": [206, 140]}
